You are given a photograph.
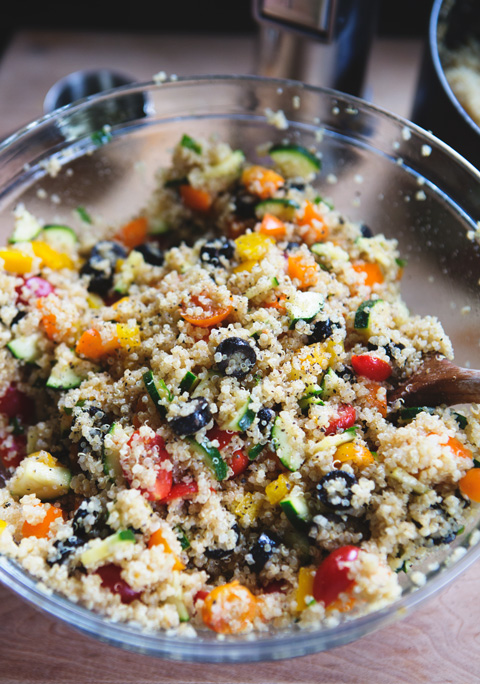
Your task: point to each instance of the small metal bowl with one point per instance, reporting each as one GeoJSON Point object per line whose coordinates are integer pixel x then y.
{"type": "Point", "coordinates": [436, 107]}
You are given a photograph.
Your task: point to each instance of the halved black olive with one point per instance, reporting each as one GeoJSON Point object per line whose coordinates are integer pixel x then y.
{"type": "Point", "coordinates": [336, 500]}
{"type": "Point", "coordinates": [245, 206]}
{"type": "Point", "coordinates": [90, 522]}
{"type": "Point", "coordinates": [265, 419]}
{"type": "Point", "coordinates": [64, 548]}
{"type": "Point", "coordinates": [216, 251]}
{"type": "Point", "coordinates": [321, 331]}
{"type": "Point", "coordinates": [151, 252]}
{"type": "Point", "coordinates": [198, 416]}
{"type": "Point", "coordinates": [238, 357]}
{"type": "Point", "coordinates": [263, 549]}
{"type": "Point", "coordinates": [217, 554]}
{"type": "Point", "coordinates": [366, 231]}
{"type": "Point", "coordinates": [100, 266]}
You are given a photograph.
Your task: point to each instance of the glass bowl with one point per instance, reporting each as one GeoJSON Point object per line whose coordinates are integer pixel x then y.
{"type": "Point", "coordinates": [102, 153]}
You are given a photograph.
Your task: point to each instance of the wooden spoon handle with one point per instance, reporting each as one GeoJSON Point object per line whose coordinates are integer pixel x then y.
{"type": "Point", "coordinates": [439, 381]}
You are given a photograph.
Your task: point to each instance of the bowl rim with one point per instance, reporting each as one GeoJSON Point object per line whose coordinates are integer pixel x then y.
{"type": "Point", "coordinates": [281, 645]}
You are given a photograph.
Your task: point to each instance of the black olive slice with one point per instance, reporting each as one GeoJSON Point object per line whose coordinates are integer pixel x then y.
{"type": "Point", "coordinates": [198, 416]}
{"type": "Point", "coordinates": [238, 357]}
{"type": "Point", "coordinates": [336, 498]}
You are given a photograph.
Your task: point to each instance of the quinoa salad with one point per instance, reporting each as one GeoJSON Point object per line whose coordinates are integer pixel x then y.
{"type": "Point", "coordinates": [195, 426]}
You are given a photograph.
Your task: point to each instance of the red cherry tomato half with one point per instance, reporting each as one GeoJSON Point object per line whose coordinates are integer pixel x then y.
{"type": "Point", "coordinates": [332, 576]}
{"type": "Point", "coordinates": [223, 437]}
{"type": "Point", "coordinates": [201, 595]}
{"type": "Point", "coordinates": [13, 450]}
{"type": "Point", "coordinates": [182, 490]}
{"type": "Point", "coordinates": [155, 449]}
{"type": "Point", "coordinates": [371, 367]}
{"type": "Point", "coordinates": [238, 462]}
{"type": "Point", "coordinates": [110, 575]}
{"type": "Point", "coordinates": [34, 286]}
{"type": "Point", "coordinates": [275, 587]}
{"type": "Point", "coordinates": [345, 418]}
{"type": "Point", "coordinates": [16, 404]}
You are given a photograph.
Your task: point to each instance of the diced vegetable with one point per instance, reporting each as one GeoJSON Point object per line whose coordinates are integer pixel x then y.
{"type": "Point", "coordinates": [345, 418]}
{"type": "Point", "coordinates": [158, 391]}
{"type": "Point", "coordinates": [111, 576]}
{"type": "Point", "coordinates": [189, 382]}
{"type": "Point", "coordinates": [61, 238]}
{"type": "Point", "coordinates": [303, 270]}
{"type": "Point", "coordinates": [196, 199]}
{"type": "Point", "coordinates": [281, 207]}
{"type": "Point", "coordinates": [111, 454]}
{"type": "Point", "coordinates": [290, 455]}
{"type": "Point", "coordinates": [64, 376]}
{"type": "Point", "coordinates": [272, 226]}
{"type": "Point", "coordinates": [107, 548]}
{"type": "Point", "coordinates": [51, 258]}
{"type": "Point", "coordinates": [295, 161]}
{"type": "Point", "coordinates": [210, 315]}
{"type": "Point", "coordinates": [42, 529]}
{"type": "Point", "coordinates": [354, 453]}
{"type": "Point", "coordinates": [253, 246]}
{"type": "Point", "coordinates": [94, 346]}
{"type": "Point", "coordinates": [470, 484]}
{"type": "Point", "coordinates": [15, 261]}
{"type": "Point", "coordinates": [332, 577]}
{"type": "Point", "coordinates": [212, 457]}
{"type": "Point", "coordinates": [40, 474]}
{"type": "Point", "coordinates": [127, 272]}
{"type": "Point", "coordinates": [304, 594]}
{"type": "Point", "coordinates": [25, 348]}
{"type": "Point", "coordinates": [261, 181]}
{"type": "Point", "coordinates": [241, 419]}
{"type": "Point", "coordinates": [371, 367]}
{"type": "Point", "coordinates": [363, 316]}
{"type": "Point", "coordinates": [371, 273]}
{"type": "Point", "coordinates": [16, 404]}
{"type": "Point", "coordinates": [278, 489]}
{"type": "Point", "coordinates": [303, 306]}
{"type": "Point", "coordinates": [229, 608]}
{"type": "Point", "coordinates": [158, 538]}
{"type": "Point", "coordinates": [181, 490]}
{"type": "Point", "coordinates": [190, 144]}
{"type": "Point", "coordinates": [296, 509]}
{"type": "Point", "coordinates": [13, 450]}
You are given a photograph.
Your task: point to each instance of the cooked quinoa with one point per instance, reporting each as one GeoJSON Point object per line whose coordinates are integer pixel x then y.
{"type": "Point", "coordinates": [194, 415]}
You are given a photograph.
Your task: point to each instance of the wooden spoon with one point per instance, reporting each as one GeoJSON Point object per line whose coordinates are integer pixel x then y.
{"type": "Point", "coordinates": [438, 381]}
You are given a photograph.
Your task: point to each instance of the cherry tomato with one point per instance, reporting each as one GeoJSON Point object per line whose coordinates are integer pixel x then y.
{"type": "Point", "coordinates": [12, 455]}
{"type": "Point", "coordinates": [238, 462]}
{"type": "Point", "coordinates": [371, 367]}
{"type": "Point", "coordinates": [110, 575]}
{"type": "Point", "coordinates": [155, 449]}
{"type": "Point", "coordinates": [16, 404]}
{"type": "Point", "coordinates": [223, 437]}
{"type": "Point", "coordinates": [345, 418]}
{"type": "Point", "coordinates": [332, 576]}
{"type": "Point", "coordinates": [33, 287]}
{"type": "Point", "coordinates": [276, 587]}
{"type": "Point", "coordinates": [229, 608]}
{"type": "Point", "coordinates": [201, 595]}
{"type": "Point", "coordinates": [182, 490]}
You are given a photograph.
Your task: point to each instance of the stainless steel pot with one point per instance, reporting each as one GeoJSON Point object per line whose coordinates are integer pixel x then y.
{"type": "Point", "coordinates": [321, 42]}
{"type": "Point", "coordinates": [435, 106]}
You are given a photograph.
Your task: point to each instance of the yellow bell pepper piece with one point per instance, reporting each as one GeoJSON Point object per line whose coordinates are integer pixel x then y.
{"type": "Point", "coordinates": [357, 454]}
{"type": "Point", "coordinates": [50, 257]}
{"type": "Point", "coordinates": [45, 457]}
{"type": "Point", "coordinates": [128, 336]}
{"type": "Point", "coordinates": [278, 489]}
{"type": "Point", "coordinates": [247, 509]}
{"type": "Point", "coordinates": [115, 305]}
{"type": "Point", "coordinates": [245, 266]}
{"type": "Point", "coordinates": [15, 261]}
{"type": "Point", "coordinates": [94, 301]}
{"type": "Point", "coordinates": [304, 595]}
{"type": "Point", "coordinates": [253, 246]}
{"type": "Point", "coordinates": [3, 526]}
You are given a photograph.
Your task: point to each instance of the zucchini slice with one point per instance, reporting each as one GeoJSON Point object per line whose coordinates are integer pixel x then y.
{"type": "Point", "coordinates": [111, 455]}
{"type": "Point", "coordinates": [40, 474]}
{"type": "Point", "coordinates": [63, 376]}
{"type": "Point", "coordinates": [25, 348]}
{"type": "Point", "coordinates": [26, 229]}
{"type": "Point", "coordinates": [282, 444]}
{"type": "Point", "coordinates": [107, 548]}
{"type": "Point", "coordinates": [212, 457]}
{"type": "Point", "coordinates": [312, 397]}
{"type": "Point", "coordinates": [296, 509]}
{"type": "Point", "coordinates": [303, 306]}
{"type": "Point", "coordinates": [295, 161]}
{"type": "Point", "coordinates": [281, 207]}
{"type": "Point", "coordinates": [62, 238]}
{"type": "Point", "coordinates": [363, 315]}
{"type": "Point", "coordinates": [189, 382]}
{"type": "Point", "coordinates": [241, 420]}
{"type": "Point", "coordinates": [158, 391]}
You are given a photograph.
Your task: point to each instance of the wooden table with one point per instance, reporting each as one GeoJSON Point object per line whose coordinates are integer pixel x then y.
{"type": "Point", "coordinates": [440, 643]}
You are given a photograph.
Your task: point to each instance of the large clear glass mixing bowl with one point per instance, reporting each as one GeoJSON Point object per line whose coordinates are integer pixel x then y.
{"type": "Point", "coordinates": [377, 168]}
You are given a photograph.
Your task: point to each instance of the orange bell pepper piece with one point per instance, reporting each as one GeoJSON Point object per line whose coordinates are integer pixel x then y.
{"type": "Point", "coordinates": [314, 227]}
{"type": "Point", "coordinates": [303, 268]}
{"type": "Point", "coordinates": [470, 484]}
{"type": "Point", "coordinates": [262, 182]}
{"type": "Point", "coordinates": [42, 529]}
{"type": "Point", "coordinates": [195, 198]}
{"type": "Point", "coordinates": [272, 226]}
{"type": "Point", "coordinates": [133, 233]}
{"type": "Point", "coordinates": [156, 539]}
{"type": "Point", "coordinates": [93, 346]}
{"type": "Point", "coordinates": [371, 272]}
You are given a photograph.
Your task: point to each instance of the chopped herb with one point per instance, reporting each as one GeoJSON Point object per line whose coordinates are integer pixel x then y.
{"type": "Point", "coordinates": [191, 144]}
{"type": "Point", "coordinates": [84, 215]}
{"type": "Point", "coordinates": [101, 137]}
{"type": "Point", "coordinates": [401, 263]}
{"type": "Point", "coordinates": [319, 199]}
{"type": "Point", "coordinates": [461, 420]}
{"type": "Point", "coordinates": [182, 538]}
{"type": "Point", "coordinates": [460, 530]}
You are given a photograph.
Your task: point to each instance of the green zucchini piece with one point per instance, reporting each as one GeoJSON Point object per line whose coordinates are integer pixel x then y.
{"type": "Point", "coordinates": [255, 451]}
{"type": "Point", "coordinates": [241, 420]}
{"type": "Point", "coordinates": [25, 348]}
{"type": "Point", "coordinates": [312, 397]}
{"type": "Point", "coordinates": [107, 548]}
{"type": "Point", "coordinates": [212, 457]}
{"type": "Point", "coordinates": [461, 420]}
{"type": "Point", "coordinates": [296, 509]}
{"type": "Point", "coordinates": [189, 382]}
{"type": "Point", "coordinates": [42, 476]}
{"type": "Point", "coordinates": [281, 441]}
{"type": "Point", "coordinates": [295, 161]}
{"type": "Point", "coordinates": [303, 306]}
{"type": "Point", "coordinates": [281, 207]}
{"type": "Point", "coordinates": [63, 376]}
{"type": "Point", "coordinates": [158, 391]}
{"type": "Point", "coordinates": [26, 228]}
{"type": "Point", "coordinates": [362, 319]}
{"type": "Point", "coordinates": [111, 457]}
{"type": "Point", "coordinates": [228, 167]}
{"type": "Point", "coordinates": [61, 238]}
